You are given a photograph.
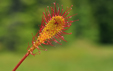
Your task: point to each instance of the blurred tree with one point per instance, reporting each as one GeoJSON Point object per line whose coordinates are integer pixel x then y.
{"type": "Point", "coordinates": [11, 39]}
{"type": "Point", "coordinates": [95, 20]}
{"type": "Point", "coordinates": [86, 27]}
{"type": "Point", "coordinates": [103, 13]}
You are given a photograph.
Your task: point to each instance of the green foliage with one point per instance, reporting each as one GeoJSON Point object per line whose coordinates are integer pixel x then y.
{"type": "Point", "coordinates": [20, 18]}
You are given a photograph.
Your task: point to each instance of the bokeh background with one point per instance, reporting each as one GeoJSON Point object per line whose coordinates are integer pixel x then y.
{"type": "Point", "coordinates": [89, 48]}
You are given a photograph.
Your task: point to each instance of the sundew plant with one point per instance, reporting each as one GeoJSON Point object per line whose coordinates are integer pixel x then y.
{"type": "Point", "coordinates": [54, 23]}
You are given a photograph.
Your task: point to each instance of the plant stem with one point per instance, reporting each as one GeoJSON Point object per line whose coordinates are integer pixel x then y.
{"type": "Point", "coordinates": [27, 54]}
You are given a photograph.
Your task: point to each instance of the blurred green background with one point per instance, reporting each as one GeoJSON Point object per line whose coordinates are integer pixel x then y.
{"type": "Point", "coordinates": [89, 48]}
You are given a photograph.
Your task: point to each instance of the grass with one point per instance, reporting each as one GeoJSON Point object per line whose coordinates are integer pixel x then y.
{"type": "Point", "coordinates": [79, 56]}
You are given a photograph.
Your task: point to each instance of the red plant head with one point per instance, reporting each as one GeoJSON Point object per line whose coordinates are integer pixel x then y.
{"type": "Point", "coordinates": [54, 23]}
